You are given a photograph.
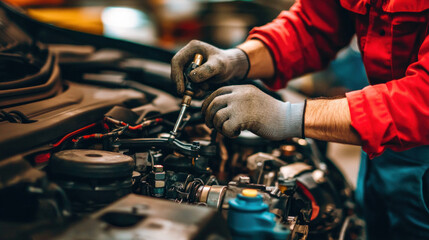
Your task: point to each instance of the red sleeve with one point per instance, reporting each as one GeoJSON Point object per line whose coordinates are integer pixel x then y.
{"type": "Point", "coordinates": [394, 115]}
{"type": "Point", "coordinates": [305, 38]}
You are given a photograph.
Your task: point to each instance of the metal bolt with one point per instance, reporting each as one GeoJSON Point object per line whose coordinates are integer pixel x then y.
{"type": "Point", "coordinates": [115, 147]}
{"type": "Point", "coordinates": [159, 176]}
{"type": "Point", "coordinates": [318, 176]}
{"type": "Point", "coordinates": [158, 192]}
{"type": "Point", "coordinates": [164, 135]}
{"type": "Point", "coordinates": [287, 150]}
{"type": "Point", "coordinates": [159, 184]}
{"type": "Point", "coordinates": [244, 179]}
{"type": "Point", "coordinates": [158, 168]}
{"type": "Point", "coordinates": [302, 142]}
{"type": "Point", "coordinates": [157, 157]}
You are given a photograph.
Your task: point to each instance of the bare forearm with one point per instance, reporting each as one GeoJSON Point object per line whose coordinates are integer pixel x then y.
{"type": "Point", "coordinates": [329, 120]}
{"type": "Point", "coordinates": [261, 63]}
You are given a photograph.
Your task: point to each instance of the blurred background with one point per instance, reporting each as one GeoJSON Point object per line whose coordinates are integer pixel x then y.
{"type": "Point", "coordinates": [171, 24]}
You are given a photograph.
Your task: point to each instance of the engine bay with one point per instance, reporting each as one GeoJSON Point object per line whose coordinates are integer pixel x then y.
{"type": "Point", "coordinates": [89, 154]}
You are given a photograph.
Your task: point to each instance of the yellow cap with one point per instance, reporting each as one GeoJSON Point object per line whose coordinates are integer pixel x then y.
{"type": "Point", "coordinates": [249, 192]}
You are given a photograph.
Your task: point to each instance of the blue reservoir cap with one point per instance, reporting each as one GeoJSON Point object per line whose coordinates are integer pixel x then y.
{"type": "Point", "coordinates": [248, 201]}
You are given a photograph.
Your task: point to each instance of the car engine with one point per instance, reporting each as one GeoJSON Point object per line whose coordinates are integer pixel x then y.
{"type": "Point", "coordinates": [87, 152]}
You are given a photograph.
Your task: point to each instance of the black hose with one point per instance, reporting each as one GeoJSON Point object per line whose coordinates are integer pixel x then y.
{"type": "Point", "coordinates": [38, 77]}
{"type": "Point", "coordinates": [29, 71]}
{"type": "Point", "coordinates": [15, 117]}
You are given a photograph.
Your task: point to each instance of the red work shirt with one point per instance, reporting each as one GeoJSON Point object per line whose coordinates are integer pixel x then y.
{"type": "Point", "coordinates": [394, 111]}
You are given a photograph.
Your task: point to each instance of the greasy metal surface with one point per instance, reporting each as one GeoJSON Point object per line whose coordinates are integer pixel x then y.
{"type": "Point", "coordinates": [215, 196]}
{"type": "Point", "coordinates": [149, 218]}
{"type": "Point", "coordinates": [78, 106]}
{"type": "Point", "coordinates": [91, 163]}
{"type": "Point", "coordinates": [179, 119]}
{"type": "Point", "coordinates": [93, 157]}
{"type": "Point", "coordinates": [190, 149]}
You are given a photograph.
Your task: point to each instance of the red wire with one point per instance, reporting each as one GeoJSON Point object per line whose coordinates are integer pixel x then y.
{"type": "Point", "coordinates": [106, 126]}
{"type": "Point", "coordinates": [73, 133]}
{"type": "Point", "coordinates": [157, 120]}
{"type": "Point", "coordinates": [138, 127]}
{"type": "Point", "coordinates": [314, 205]}
{"type": "Point", "coordinates": [135, 127]}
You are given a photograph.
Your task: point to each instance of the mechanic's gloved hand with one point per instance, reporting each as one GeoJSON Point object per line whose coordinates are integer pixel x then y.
{"type": "Point", "coordinates": [219, 65]}
{"type": "Point", "coordinates": [244, 107]}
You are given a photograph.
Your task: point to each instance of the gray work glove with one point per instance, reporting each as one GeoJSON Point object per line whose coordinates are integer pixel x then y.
{"type": "Point", "coordinates": [219, 65]}
{"type": "Point", "coordinates": [244, 107]}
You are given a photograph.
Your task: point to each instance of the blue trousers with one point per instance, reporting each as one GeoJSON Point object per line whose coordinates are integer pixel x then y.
{"type": "Point", "coordinates": [392, 194]}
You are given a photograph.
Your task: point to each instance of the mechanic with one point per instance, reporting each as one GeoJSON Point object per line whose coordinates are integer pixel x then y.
{"type": "Point", "coordinates": [389, 118]}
